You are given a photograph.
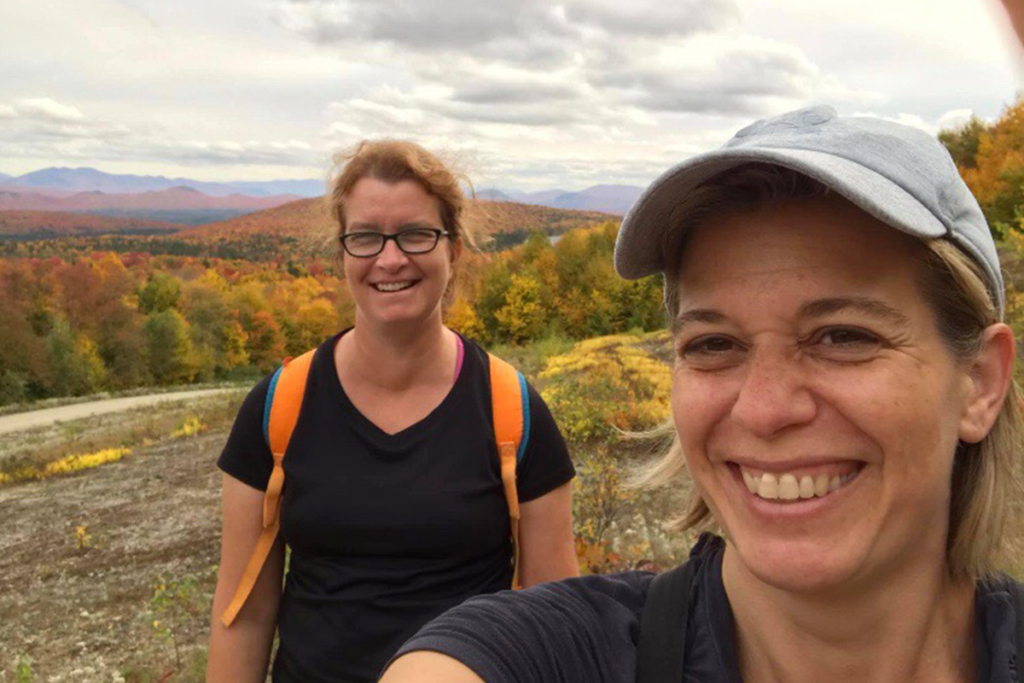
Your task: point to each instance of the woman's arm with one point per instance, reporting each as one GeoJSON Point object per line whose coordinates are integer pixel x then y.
{"type": "Point", "coordinates": [547, 549]}
{"type": "Point", "coordinates": [240, 654]}
{"type": "Point", "coordinates": [429, 667]}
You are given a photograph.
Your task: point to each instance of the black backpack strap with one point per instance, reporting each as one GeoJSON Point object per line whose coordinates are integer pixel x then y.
{"type": "Point", "coordinates": [662, 648]}
{"type": "Point", "coordinates": [1018, 611]}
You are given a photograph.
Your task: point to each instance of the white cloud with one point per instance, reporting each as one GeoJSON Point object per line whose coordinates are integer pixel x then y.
{"type": "Point", "coordinates": [47, 109]}
{"type": "Point", "coordinates": [44, 127]}
{"type": "Point", "coordinates": [951, 119]}
{"type": "Point", "coordinates": [954, 119]}
{"type": "Point", "coordinates": [536, 92]}
{"type": "Point", "coordinates": [528, 32]}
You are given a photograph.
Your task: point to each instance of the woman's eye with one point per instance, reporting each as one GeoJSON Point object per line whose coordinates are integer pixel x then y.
{"type": "Point", "coordinates": [848, 341]}
{"type": "Point", "coordinates": [708, 346]}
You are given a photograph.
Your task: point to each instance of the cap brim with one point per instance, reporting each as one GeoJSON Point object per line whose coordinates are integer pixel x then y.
{"type": "Point", "coordinates": [648, 229]}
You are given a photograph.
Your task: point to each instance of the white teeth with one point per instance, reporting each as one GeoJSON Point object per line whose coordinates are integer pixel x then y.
{"type": "Point", "coordinates": [787, 487]}
{"type": "Point", "coordinates": [820, 485]}
{"type": "Point", "coordinates": [392, 286]}
{"type": "Point", "coordinates": [769, 487]}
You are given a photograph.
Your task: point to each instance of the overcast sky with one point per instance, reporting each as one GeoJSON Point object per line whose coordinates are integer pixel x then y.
{"type": "Point", "coordinates": [527, 94]}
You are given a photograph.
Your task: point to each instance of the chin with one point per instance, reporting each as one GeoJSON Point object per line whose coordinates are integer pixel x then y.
{"type": "Point", "coordinates": [800, 565]}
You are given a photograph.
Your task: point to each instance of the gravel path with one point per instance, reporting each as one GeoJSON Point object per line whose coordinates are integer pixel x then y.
{"type": "Point", "coordinates": [42, 418]}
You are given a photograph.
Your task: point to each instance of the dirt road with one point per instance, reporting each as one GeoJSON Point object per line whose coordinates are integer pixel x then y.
{"type": "Point", "coordinates": [41, 418]}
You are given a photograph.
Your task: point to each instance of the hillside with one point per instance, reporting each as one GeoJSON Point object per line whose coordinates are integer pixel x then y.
{"type": "Point", "coordinates": [176, 198]}
{"type": "Point", "coordinates": [91, 179]}
{"type": "Point", "coordinates": [486, 219]}
{"type": "Point", "coordinates": [46, 224]}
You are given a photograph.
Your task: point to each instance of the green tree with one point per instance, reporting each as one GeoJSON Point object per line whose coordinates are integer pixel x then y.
{"type": "Point", "coordinates": [160, 293]}
{"type": "Point", "coordinates": [209, 316]}
{"type": "Point", "coordinates": [496, 280]}
{"type": "Point", "coordinates": [171, 356]}
{"type": "Point", "coordinates": [962, 142]}
{"type": "Point", "coordinates": [75, 365]}
{"type": "Point", "coordinates": [522, 317]}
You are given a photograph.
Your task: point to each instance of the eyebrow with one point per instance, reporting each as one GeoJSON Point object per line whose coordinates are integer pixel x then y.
{"type": "Point", "coordinates": [818, 308]}
{"type": "Point", "coordinates": [373, 227]}
{"type": "Point", "coordinates": [708, 316]}
{"type": "Point", "coordinates": [873, 307]}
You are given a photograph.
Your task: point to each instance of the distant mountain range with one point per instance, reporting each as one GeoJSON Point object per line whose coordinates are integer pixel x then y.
{"type": "Point", "coordinates": [614, 199]}
{"type": "Point", "coordinates": [495, 225]}
{"type": "Point", "coordinates": [20, 198]}
{"type": "Point", "coordinates": [174, 205]}
{"type": "Point", "coordinates": [92, 180]}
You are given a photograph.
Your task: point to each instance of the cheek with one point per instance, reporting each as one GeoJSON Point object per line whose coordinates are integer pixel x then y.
{"type": "Point", "coordinates": [698, 405]}
{"type": "Point", "coordinates": [911, 417]}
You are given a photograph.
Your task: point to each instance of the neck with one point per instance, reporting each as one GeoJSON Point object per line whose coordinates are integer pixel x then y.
{"type": "Point", "coordinates": [916, 628]}
{"type": "Point", "coordinates": [397, 357]}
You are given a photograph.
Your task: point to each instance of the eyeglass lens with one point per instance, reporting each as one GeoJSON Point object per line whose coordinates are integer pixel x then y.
{"type": "Point", "coordinates": [409, 241]}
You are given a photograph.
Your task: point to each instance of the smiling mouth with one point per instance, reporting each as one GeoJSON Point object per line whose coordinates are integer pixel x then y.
{"type": "Point", "coordinates": [794, 486]}
{"type": "Point", "coordinates": [393, 286]}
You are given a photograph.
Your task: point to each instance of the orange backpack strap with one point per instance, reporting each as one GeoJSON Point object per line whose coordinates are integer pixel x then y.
{"type": "Point", "coordinates": [280, 413]}
{"type": "Point", "coordinates": [510, 403]}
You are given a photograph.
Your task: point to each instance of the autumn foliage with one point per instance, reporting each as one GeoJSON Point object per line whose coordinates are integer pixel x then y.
{"type": "Point", "coordinates": [990, 158]}
{"type": "Point", "coordinates": [109, 321]}
{"type": "Point", "coordinates": [80, 321]}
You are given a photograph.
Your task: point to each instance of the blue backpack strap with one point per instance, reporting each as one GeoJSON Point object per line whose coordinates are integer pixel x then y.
{"type": "Point", "coordinates": [525, 438]}
{"type": "Point", "coordinates": [268, 403]}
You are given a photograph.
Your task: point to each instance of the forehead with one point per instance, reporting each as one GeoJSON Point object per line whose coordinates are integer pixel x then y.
{"type": "Point", "coordinates": [382, 204]}
{"type": "Point", "coordinates": [821, 247]}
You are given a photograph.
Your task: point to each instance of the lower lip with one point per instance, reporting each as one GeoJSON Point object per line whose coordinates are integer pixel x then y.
{"type": "Point", "coordinates": [792, 509]}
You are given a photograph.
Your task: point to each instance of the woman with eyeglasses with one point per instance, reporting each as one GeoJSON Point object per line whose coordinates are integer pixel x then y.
{"type": "Point", "coordinates": [393, 505]}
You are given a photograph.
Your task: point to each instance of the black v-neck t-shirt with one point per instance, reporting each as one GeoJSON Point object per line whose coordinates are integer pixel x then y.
{"type": "Point", "coordinates": [387, 531]}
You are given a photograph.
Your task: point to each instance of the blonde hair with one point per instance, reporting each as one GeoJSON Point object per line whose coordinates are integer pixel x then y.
{"type": "Point", "coordinates": [984, 477]}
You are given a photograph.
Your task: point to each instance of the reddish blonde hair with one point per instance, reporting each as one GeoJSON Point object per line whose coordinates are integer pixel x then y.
{"type": "Point", "coordinates": [393, 161]}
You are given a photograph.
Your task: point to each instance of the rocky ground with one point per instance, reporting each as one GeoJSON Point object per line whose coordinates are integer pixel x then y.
{"type": "Point", "coordinates": [83, 556]}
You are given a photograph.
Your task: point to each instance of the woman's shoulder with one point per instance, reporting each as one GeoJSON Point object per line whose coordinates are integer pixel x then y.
{"type": "Point", "coordinates": [1001, 588]}
{"type": "Point", "coordinates": [999, 610]}
{"type": "Point", "coordinates": [545, 622]}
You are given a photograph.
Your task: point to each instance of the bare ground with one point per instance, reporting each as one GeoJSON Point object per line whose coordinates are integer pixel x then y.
{"type": "Point", "coordinates": [78, 608]}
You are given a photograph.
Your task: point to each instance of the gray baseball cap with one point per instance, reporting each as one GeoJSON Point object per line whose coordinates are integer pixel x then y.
{"type": "Point", "coordinates": [898, 174]}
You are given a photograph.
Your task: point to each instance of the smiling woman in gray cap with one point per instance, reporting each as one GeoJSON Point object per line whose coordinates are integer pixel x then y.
{"type": "Point", "coordinates": [843, 402]}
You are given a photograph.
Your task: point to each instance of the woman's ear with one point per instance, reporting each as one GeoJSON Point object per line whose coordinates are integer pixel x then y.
{"type": "Point", "coordinates": [990, 373]}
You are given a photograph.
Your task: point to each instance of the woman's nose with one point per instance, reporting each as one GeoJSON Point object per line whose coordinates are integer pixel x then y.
{"type": "Point", "coordinates": [774, 395]}
{"type": "Point", "coordinates": [391, 256]}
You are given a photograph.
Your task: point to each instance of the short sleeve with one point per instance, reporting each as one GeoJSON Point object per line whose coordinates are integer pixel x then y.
{"type": "Point", "coordinates": [246, 456]}
{"type": "Point", "coordinates": [582, 630]}
{"type": "Point", "coordinates": [546, 465]}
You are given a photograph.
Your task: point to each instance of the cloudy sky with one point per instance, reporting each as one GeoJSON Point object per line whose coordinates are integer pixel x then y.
{"type": "Point", "coordinates": [526, 94]}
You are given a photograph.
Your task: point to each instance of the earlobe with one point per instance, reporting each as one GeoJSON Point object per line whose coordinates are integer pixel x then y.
{"type": "Point", "coordinates": [990, 375]}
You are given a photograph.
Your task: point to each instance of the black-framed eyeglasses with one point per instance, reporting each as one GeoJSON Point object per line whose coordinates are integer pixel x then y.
{"type": "Point", "coordinates": [413, 241]}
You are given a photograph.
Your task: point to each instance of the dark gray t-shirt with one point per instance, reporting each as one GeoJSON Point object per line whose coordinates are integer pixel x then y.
{"type": "Point", "coordinates": [586, 630]}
